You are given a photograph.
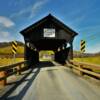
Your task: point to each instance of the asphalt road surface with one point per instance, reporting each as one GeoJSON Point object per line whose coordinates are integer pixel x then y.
{"type": "Point", "coordinates": [55, 83]}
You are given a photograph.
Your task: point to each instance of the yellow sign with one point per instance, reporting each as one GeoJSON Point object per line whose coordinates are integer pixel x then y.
{"type": "Point", "coordinates": [82, 46]}
{"type": "Point", "coordinates": [14, 47]}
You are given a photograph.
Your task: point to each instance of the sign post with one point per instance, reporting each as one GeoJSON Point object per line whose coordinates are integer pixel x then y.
{"type": "Point", "coordinates": [82, 47]}
{"type": "Point", "coordinates": [14, 49]}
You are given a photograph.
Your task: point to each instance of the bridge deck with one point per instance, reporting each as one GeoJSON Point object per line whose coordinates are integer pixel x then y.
{"type": "Point", "coordinates": [54, 82]}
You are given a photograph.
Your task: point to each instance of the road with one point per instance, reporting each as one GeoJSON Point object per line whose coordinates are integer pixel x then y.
{"type": "Point", "coordinates": [55, 83]}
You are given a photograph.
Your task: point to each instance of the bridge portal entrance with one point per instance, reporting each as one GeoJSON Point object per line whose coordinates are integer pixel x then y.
{"type": "Point", "coordinates": [48, 34]}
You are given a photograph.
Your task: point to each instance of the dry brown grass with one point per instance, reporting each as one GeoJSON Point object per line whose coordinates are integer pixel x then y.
{"type": "Point", "coordinates": [7, 61]}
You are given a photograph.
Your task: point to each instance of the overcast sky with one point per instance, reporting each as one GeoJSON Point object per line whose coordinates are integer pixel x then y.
{"type": "Point", "coordinates": [83, 16]}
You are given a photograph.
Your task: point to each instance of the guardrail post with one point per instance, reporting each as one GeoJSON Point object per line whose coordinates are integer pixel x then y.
{"type": "Point", "coordinates": [19, 69]}
{"type": "Point", "coordinates": [4, 81]}
{"type": "Point", "coordinates": [80, 72]}
{"type": "Point", "coordinates": [83, 68]}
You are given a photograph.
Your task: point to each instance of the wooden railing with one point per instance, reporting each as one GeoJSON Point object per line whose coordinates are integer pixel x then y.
{"type": "Point", "coordinates": [85, 68]}
{"type": "Point", "coordinates": [8, 70]}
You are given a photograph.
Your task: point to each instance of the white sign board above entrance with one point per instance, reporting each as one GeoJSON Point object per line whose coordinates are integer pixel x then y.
{"type": "Point", "coordinates": [49, 32]}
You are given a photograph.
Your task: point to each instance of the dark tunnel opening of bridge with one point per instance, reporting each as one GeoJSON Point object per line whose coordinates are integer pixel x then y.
{"type": "Point", "coordinates": [60, 50]}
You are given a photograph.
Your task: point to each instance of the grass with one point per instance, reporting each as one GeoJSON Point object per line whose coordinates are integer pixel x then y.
{"type": "Point", "coordinates": [7, 61]}
{"type": "Point", "coordinates": [8, 50]}
{"type": "Point", "coordinates": [91, 60]}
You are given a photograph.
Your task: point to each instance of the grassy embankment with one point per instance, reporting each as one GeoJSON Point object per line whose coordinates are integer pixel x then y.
{"type": "Point", "coordinates": [92, 60]}
{"type": "Point", "coordinates": [7, 61]}
{"type": "Point", "coordinates": [8, 50]}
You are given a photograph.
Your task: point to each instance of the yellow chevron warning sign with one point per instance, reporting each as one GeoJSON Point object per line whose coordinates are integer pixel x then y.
{"type": "Point", "coordinates": [14, 47]}
{"type": "Point", "coordinates": [82, 46]}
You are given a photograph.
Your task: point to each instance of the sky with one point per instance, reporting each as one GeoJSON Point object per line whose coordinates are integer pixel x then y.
{"type": "Point", "coordinates": [83, 16]}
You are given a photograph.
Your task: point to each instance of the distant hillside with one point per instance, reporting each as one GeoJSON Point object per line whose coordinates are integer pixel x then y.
{"type": "Point", "coordinates": [6, 48]}
{"type": "Point", "coordinates": [78, 54]}
{"type": "Point", "coordinates": [6, 44]}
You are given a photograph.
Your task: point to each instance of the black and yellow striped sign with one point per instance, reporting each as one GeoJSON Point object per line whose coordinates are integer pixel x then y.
{"type": "Point", "coordinates": [82, 46]}
{"type": "Point", "coordinates": [14, 47]}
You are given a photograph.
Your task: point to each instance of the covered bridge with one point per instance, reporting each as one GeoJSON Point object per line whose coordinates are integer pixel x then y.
{"type": "Point", "coordinates": [48, 34]}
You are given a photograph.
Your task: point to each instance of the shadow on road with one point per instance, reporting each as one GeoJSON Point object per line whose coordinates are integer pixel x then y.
{"type": "Point", "coordinates": [43, 64]}
{"type": "Point", "coordinates": [20, 95]}
{"type": "Point", "coordinates": [6, 96]}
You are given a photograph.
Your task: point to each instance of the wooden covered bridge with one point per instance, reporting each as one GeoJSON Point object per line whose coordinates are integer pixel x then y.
{"type": "Point", "coordinates": [48, 34]}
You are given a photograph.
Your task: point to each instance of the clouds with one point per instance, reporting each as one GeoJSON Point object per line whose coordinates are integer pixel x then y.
{"type": "Point", "coordinates": [6, 22]}
{"type": "Point", "coordinates": [37, 6]}
{"type": "Point", "coordinates": [5, 36]}
{"type": "Point", "coordinates": [5, 25]}
{"type": "Point", "coordinates": [30, 10]}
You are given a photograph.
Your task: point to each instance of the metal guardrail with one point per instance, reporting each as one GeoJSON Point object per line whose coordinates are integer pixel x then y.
{"type": "Point", "coordinates": [85, 68]}
{"type": "Point", "coordinates": [17, 67]}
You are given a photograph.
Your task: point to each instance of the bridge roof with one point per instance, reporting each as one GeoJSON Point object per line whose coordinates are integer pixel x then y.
{"type": "Point", "coordinates": [54, 19]}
